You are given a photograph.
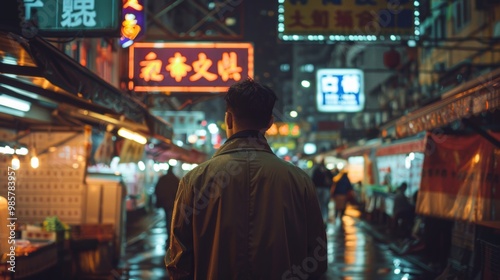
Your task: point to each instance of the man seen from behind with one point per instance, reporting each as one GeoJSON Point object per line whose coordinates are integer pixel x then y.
{"type": "Point", "coordinates": [245, 213]}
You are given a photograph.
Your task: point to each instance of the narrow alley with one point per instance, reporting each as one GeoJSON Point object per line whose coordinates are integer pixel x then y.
{"type": "Point", "coordinates": [354, 252]}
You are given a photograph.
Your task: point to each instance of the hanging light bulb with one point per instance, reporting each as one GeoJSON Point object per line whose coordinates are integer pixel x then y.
{"type": "Point", "coordinates": [34, 160]}
{"type": "Point", "coordinates": [15, 162]}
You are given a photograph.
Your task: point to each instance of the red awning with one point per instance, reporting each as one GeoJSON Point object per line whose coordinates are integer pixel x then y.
{"type": "Point", "coordinates": [361, 149]}
{"type": "Point", "coordinates": [402, 147]}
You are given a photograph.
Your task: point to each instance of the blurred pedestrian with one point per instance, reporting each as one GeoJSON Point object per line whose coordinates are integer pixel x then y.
{"type": "Point", "coordinates": [388, 180]}
{"type": "Point", "coordinates": [245, 213]}
{"type": "Point", "coordinates": [322, 179]}
{"type": "Point", "coordinates": [403, 211]}
{"type": "Point", "coordinates": [165, 191]}
{"type": "Point", "coordinates": [341, 189]}
{"type": "Point", "coordinates": [335, 171]}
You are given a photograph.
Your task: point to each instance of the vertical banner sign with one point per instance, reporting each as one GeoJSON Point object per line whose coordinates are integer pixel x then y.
{"type": "Point", "coordinates": [340, 90]}
{"type": "Point", "coordinates": [346, 20]}
{"type": "Point", "coordinates": [460, 178]}
{"type": "Point", "coordinates": [133, 25]}
{"type": "Point", "coordinates": [188, 67]}
{"type": "Point", "coordinates": [70, 17]}
{"type": "Point", "coordinates": [401, 161]}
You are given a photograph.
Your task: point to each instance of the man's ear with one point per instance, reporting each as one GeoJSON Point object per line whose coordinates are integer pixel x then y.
{"type": "Point", "coordinates": [229, 120]}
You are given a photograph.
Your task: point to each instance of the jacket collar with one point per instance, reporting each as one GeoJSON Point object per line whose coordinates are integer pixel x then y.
{"type": "Point", "coordinates": [244, 140]}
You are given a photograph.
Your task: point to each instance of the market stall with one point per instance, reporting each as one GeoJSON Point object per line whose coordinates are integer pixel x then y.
{"type": "Point", "coordinates": [360, 161]}
{"type": "Point", "coordinates": [394, 163]}
{"type": "Point", "coordinates": [458, 197]}
{"type": "Point", "coordinates": [51, 107]}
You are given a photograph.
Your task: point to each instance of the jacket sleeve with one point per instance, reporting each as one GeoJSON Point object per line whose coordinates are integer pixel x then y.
{"type": "Point", "coordinates": [179, 258]}
{"type": "Point", "coordinates": [316, 234]}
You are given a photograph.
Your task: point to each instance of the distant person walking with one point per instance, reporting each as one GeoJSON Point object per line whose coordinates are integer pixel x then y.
{"type": "Point", "coordinates": [165, 191]}
{"type": "Point", "coordinates": [404, 211]}
{"type": "Point", "coordinates": [340, 190]}
{"type": "Point", "coordinates": [322, 178]}
{"type": "Point", "coordinates": [246, 213]}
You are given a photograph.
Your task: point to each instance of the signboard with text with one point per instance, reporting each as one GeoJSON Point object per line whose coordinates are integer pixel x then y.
{"type": "Point", "coordinates": [340, 90]}
{"type": "Point", "coordinates": [189, 66]}
{"type": "Point", "coordinates": [74, 17]}
{"type": "Point", "coordinates": [347, 20]}
{"type": "Point", "coordinates": [133, 25]}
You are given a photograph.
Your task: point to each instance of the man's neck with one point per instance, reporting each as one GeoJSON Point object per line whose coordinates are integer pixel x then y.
{"type": "Point", "coordinates": [247, 134]}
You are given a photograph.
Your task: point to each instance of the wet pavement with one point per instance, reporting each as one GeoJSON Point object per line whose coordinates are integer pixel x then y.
{"type": "Point", "coordinates": [354, 252]}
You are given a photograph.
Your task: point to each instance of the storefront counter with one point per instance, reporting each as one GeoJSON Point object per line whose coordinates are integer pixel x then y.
{"type": "Point", "coordinates": [32, 258]}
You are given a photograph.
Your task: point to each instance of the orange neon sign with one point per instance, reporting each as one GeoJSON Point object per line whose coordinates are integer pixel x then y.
{"type": "Point", "coordinates": [134, 4]}
{"type": "Point", "coordinates": [151, 68]}
{"type": "Point", "coordinates": [133, 22]}
{"type": "Point", "coordinates": [177, 67]}
{"type": "Point", "coordinates": [201, 68]}
{"type": "Point", "coordinates": [189, 67]}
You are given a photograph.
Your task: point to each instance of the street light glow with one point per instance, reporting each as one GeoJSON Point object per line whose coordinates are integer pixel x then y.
{"type": "Point", "coordinates": [213, 128]}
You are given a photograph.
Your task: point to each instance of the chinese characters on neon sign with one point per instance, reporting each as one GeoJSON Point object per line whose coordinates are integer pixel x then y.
{"type": "Point", "coordinates": [78, 12]}
{"type": "Point", "coordinates": [195, 67]}
{"type": "Point", "coordinates": [59, 16]}
{"type": "Point", "coordinates": [340, 90]}
{"type": "Point", "coordinates": [133, 25]}
{"type": "Point", "coordinates": [348, 17]}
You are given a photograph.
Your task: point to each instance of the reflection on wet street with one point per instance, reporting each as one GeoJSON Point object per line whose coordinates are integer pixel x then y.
{"type": "Point", "coordinates": [144, 258]}
{"type": "Point", "coordinates": [353, 253]}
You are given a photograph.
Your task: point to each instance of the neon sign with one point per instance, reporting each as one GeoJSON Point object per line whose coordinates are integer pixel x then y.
{"type": "Point", "coordinates": [188, 67]}
{"type": "Point", "coordinates": [133, 26]}
{"type": "Point", "coordinates": [70, 17]}
{"type": "Point", "coordinates": [340, 90]}
{"type": "Point", "coordinates": [348, 20]}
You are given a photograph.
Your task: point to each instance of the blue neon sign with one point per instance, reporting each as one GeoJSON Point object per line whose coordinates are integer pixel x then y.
{"type": "Point", "coordinates": [340, 90]}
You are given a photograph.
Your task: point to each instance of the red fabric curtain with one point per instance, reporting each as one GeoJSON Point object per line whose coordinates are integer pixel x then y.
{"type": "Point", "coordinates": [459, 177]}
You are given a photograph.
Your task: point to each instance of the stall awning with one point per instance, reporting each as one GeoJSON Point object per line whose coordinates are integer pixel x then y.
{"type": "Point", "coordinates": [406, 146]}
{"type": "Point", "coordinates": [360, 150]}
{"type": "Point", "coordinates": [36, 66]}
{"type": "Point", "coordinates": [475, 97]}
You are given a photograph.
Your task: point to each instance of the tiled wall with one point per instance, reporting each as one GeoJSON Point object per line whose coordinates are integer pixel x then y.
{"type": "Point", "coordinates": [56, 187]}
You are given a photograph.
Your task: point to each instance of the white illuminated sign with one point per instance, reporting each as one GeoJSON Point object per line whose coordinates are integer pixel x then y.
{"type": "Point", "coordinates": [340, 90]}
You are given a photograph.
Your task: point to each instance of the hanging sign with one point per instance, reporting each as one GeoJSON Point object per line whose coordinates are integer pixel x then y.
{"type": "Point", "coordinates": [188, 67]}
{"type": "Point", "coordinates": [340, 90]}
{"type": "Point", "coordinates": [74, 17]}
{"type": "Point", "coordinates": [133, 25]}
{"type": "Point", "coordinates": [347, 20]}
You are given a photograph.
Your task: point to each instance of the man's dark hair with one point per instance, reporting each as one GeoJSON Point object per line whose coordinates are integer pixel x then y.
{"type": "Point", "coordinates": [251, 103]}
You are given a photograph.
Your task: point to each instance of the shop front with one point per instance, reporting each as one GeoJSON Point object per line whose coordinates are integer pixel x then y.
{"type": "Point", "coordinates": [458, 195]}
{"type": "Point", "coordinates": [361, 169]}
{"type": "Point", "coordinates": [393, 164]}
{"type": "Point", "coordinates": [73, 147]}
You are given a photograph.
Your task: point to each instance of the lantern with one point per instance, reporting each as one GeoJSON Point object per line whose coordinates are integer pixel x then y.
{"type": "Point", "coordinates": [391, 58]}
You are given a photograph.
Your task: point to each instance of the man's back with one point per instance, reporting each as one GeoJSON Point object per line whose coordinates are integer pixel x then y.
{"type": "Point", "coordinates": [249, 215]}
